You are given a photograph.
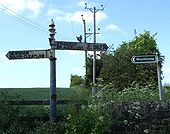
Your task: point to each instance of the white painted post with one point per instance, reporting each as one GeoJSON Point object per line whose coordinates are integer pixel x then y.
{"type": "Point", "coordinates": [159, 77]}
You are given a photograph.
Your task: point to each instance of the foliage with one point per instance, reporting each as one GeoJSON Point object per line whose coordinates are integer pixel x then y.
{"type": "Point", "coordinates": [48, 128]}
{"type": "Point", "coordinates": [166, 90]}
{"type": "Point", "coordinates": [76, 80]}
{"type": "Point", "coordinates": [109, 111]}
{"type": "Point", "coordinates": [96, 118]}
{"type": "Point", "coordinates": [89, 64]}
{"type": "Point", "coordinates": [166, 85]}
{"type": "Point", "coordinates": [35, 119]}
{"type": "Point", "coordinates": [132, 110]}
{"type": "Point", "coordinates": [141, 117]}
{"type": "Point", "coordinates": [93, 119]}
{"type": "Point", "coordinates": [10, 117]}
{"type": "Point", "coordinates": [118, 68]}
{"type": "Point", "coordinates": [131, 94]}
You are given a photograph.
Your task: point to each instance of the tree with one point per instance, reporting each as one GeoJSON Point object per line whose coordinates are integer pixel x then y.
{"type": "Point", "coordinates": [76, 80]}
{"type": "Point", "coordinates": [118, 68]}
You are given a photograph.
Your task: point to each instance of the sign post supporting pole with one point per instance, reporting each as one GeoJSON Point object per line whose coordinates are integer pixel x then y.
{"type": "Point", "coordinates": [159, 78]}
{"type": "Point", "coordinates": [53, 107]}
{"type": "Point", "coordinates": [148, 59]}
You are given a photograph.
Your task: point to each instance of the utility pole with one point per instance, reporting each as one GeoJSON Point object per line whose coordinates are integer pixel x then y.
{"type": "Point", "coordinates": [86, 35]}
{"type": "Point", "coordinates": [52, 58]}
{"type": "Point", "coordinates": [94, 11]}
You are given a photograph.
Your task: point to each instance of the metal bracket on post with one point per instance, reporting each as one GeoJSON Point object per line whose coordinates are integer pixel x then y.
{"type": "Point", "coordinates": [53, 96]}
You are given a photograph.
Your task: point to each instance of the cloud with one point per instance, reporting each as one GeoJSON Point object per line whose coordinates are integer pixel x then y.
{"type": "Point", "coordinates": [112, 27]}
{"type": "Point", "coordinates": [54, 12]}
{"type": "Point", "coordinates": [81, 3]}
{"type": "Point", "coordinates": [89, 4]}
{"type": "Point", "coordinates": [19, 6]}
{"type": "Point", "coordinates": [88, 16]}
{"type": "Point", "coordinates": [76, 16]}
{"type": "Point", "coordinates": [34, 6]}
{"type": "Point", "coordinates": [14, 5]}
{"type": "Point", "coordinates": [72, 17]}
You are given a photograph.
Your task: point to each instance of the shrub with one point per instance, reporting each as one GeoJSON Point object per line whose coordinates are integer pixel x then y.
{"type": "Point", "coordinates": [76, 80]}
{"type": "Point", "coordinates": [110, 110]}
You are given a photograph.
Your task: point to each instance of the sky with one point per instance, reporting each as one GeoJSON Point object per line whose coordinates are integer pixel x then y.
{"type": "Point", "coordinates": [24, 26]}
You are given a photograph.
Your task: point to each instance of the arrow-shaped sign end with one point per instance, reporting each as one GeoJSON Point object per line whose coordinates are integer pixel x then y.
{"type": "Point", "coordinates": [106, 47]}
{"type": "Point", "coordinates": [8, 55]}
{"type": "Point", "coordinates": [133, 59]}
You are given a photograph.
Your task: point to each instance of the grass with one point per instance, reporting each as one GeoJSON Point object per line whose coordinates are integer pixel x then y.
{"type": "Point", "coordinates": [26, 93]}
{"type": "Point", "coordinates": [74, 93]}
{"type": "Point", "coordinates": [44, 93]}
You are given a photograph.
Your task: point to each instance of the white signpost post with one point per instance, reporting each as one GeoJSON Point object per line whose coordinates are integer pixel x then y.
{"type": "Point", "coordinates": [148, 59]}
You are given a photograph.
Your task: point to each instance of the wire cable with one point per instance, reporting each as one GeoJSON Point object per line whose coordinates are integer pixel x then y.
{"type": "Point", "coordinates": [23, 22]}
{"type": "Point", "coordinates": [22, 19]}
{"type": "Point", "coordinates": [28, 22]}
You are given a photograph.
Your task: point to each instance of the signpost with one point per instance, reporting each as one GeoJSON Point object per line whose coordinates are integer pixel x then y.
{"type": "Point", "coordinates": [28, 54]}
{"type": "Point", "coordinates": [50, 53]}
{"type": "Point", "coordinates": [148, 59]}
{"type": "Point", "coordinates": [53, 93]}
{"type": "Point", "coordinates": [64, 45]}
{"type": "Point", "coordinates": [143, 59]}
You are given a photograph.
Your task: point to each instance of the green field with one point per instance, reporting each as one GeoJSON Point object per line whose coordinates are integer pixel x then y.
{"type": "Point", "coordinates": [94, 117]}
{"type": "Point", "coordinates": [43, 93]}
{"type": "Point", "coordinates": [19, 94]}
{"type": "Point", "coordinates": [74, 93]}
{"type": "Point", "coordinates": [33, 114]}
